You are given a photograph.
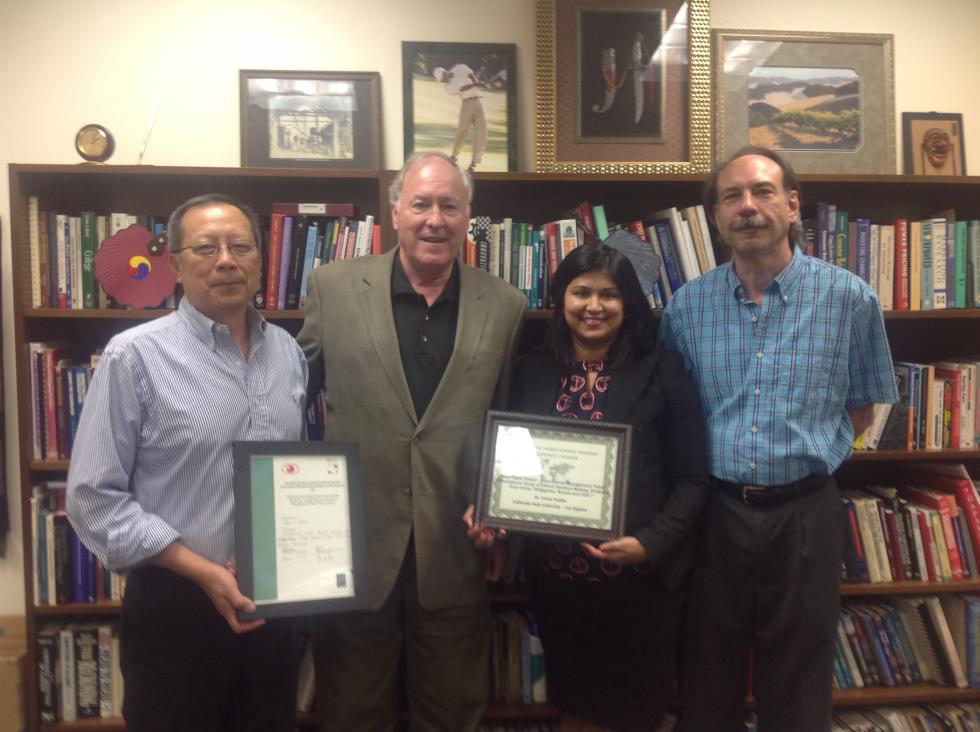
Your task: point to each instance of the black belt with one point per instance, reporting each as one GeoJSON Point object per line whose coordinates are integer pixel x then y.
{"type": "Point", "coordinates": [772, 495]}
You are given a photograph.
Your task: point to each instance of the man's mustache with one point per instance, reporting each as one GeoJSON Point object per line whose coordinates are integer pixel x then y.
{"type": "Point", "coordinates": [752, 222]}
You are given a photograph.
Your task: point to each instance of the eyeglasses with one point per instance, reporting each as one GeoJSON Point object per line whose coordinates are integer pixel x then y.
{"type": "Point", "coordinates": [207, 251]}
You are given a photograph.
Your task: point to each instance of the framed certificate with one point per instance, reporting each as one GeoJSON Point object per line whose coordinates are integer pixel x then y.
{"type": "Point", "coordinates": [299, 531]}
{"type": "Point", "coordinates": [554, 476]}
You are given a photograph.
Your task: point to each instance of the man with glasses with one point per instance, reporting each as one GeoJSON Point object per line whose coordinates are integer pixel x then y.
{"type": "Point", "coordinates": [150, 484]}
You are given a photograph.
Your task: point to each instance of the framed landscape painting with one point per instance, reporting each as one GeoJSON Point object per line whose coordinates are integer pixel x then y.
{"type": "Point", "coordinates": [623, 88]}
{"type": "Point", "coordinates": [310, 119]}
{"type": "Point", "coordinates": [461, 99]}
{"type": "Point", "coordinates": [825, 101]}
{"type": "Point", "coordinates": [933, 143]}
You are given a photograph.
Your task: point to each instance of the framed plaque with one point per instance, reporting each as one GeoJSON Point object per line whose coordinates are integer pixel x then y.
{"type": "Point", "coordinates": [299, 531]}
{"type": "Point", "coordinates": [554, 476]}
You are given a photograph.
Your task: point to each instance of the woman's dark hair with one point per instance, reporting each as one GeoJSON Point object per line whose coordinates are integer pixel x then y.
{"type": "Point", "coordinates": [636, 334]}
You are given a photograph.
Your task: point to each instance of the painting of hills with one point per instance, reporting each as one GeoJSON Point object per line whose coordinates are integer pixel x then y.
{"type": "Point", "coordinates": [804, 108]}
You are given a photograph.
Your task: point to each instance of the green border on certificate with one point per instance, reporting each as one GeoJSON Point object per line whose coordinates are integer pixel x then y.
{"type": "Point", "coordinates": [298, 527]}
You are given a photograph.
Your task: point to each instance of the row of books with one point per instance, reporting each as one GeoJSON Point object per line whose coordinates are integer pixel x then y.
{"type": "Point", "coordinates": [940, 717]}
{"type": "Point", "coordinates": [59, 384]}
{"type": "Point", "coordinates": [63, 249]}
{"type": "Point", "coordinates": [301, 237]}
{"type": "Point", "coordinates": [937, 408]}
{"type": "Point", "coordinates": [542, 725]}
{"type": "Point", "coordinates": [65, 571]}
{"type": "Point", "coordinates": [527, 255]}
{"type": "Point", "coordinates": [906, 640]}
{"type": "Point", "coordinates": [930, 264]}
{"type": "Point", "coordinates": [517, 670]}
{"type": "Point", "coordinates": [298, 236]}
{"type": "Point", "coordinates": [78, 672]}
{"type": "Point", "coordinates": [926, 528]}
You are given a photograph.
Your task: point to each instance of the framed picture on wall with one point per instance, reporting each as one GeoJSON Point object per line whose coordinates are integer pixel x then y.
{"type": "Point", "coordinates": [825, 101]}
{"type": "Point", "coordinates": [623, 88]}
{"type": "Point", "coordinates": [461, 99]}
{"type": "Point", "coordinates": [933, 143]}
{"type": "Point", "coordinates": [310, 119]}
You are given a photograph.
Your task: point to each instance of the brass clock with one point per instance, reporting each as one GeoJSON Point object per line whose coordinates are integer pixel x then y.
{"type": "Point", "coordinates": [94, 143]}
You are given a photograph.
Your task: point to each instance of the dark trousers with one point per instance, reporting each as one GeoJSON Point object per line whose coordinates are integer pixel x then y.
{"type": "Point", "coordinates": [447, 656]}
{"type": "Point", "coordinates": [185, 670]}
{"type": "Point", "coordinates": [771, 582]}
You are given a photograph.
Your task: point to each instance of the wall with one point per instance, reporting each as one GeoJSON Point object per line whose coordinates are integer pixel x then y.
{"type": "Point", "coordinates": [114, 61]}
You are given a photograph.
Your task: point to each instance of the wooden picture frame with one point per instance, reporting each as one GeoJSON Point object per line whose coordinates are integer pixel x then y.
{"type": "Point", "coordinates": [552, 476]}
{"type": "Point", "coordinates": [624, 88]}
{"type": "Point", "coordinates": [300, 543]}
{"type": "Point", "coordinates": [933, 143]}
{"type": "Point", "coordinates": [824, 101]}
{"type": "Point", "coordinates": [310, 119]}
{"type": "Point", "coordinates": [477, 80]}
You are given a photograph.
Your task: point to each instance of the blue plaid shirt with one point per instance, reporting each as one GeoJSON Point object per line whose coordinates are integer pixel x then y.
{"type": "Point", "coordinates": [775, 380]}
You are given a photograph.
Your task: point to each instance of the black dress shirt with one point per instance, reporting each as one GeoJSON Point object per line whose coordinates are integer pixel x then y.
{"type": "Point", "coordinates": [426, 334]}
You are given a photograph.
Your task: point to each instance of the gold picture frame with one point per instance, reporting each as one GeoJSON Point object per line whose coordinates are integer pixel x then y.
{"type": "Point", "coordinates": [662, 72]}
{"type": "Point", "coordinates": [763, 78]}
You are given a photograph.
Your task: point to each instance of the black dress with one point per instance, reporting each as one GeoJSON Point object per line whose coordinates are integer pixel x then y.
{"type": "Point", "coordinates": [610, 632]}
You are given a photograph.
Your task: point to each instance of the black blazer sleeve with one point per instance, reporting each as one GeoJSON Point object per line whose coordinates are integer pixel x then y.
{"type": "Point", "coordinates": [675, 456]}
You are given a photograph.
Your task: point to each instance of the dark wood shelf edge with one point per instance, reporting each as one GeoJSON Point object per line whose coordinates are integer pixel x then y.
{"type": "Point", "coordinates": [914, 587]}
{"type": "Point", "coordinates": [77, 608]}
{"type": "Point", "coordinates": [915, 694]}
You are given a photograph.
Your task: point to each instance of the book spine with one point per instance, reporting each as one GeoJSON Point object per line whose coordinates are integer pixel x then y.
{"type": "Point", "coordinates": [47, 673]}
{"type": "Point", "coordinates": [276, 228]}
{"type": "Point", "coordinates": [105, 671]}
{"type": "Point", "coordinates": [87, 672]}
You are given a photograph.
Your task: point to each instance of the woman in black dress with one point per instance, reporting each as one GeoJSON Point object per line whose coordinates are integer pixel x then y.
{"type": "Point", "coordinates": [609, 614]}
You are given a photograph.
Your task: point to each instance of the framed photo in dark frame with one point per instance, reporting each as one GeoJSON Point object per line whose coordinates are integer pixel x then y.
{"type": "Point", "coordinates": [310, 119]}
{"type": "Point", "coordinates": [933, 143]}
{"type": "Point", "coordinates": [461, 99]}
{"type": "Point", "coordinates": [553, 476]}
{"type": "Point", "coordinates": [299, 527]}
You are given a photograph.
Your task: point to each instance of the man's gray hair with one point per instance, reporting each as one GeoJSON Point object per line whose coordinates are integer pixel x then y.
{"type": "Point", "coordinates": [175, 226]}
{"type": "Point", "coordinates": [417, 158]}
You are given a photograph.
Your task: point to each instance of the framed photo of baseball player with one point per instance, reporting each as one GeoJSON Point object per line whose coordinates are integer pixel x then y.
{"type": "Point", "coordinates": [622, 88]}
{"type": "Point", "coordinates": [933, 143]}
{"type": "Point", "coordinates": [461, 99]}
{"type": "Point", "coordinates": [554, 477]}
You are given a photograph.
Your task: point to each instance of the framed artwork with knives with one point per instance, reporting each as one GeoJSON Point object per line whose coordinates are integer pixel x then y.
{"type": "Point", "coordinates": [622, 88]}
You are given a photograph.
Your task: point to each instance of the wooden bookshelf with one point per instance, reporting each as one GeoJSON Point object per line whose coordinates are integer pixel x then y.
{"type": "Point", "coordinates": [917, 336]}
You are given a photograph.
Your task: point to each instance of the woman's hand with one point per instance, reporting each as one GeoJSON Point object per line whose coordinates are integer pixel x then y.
{"type": "Point", "coordinates": [627, 550]}
{"type": "Point", "coordinates": [485, 539]}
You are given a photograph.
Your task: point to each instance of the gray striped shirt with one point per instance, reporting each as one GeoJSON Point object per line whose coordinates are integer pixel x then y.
{"type": "Point", "coordinates": [152, 459]}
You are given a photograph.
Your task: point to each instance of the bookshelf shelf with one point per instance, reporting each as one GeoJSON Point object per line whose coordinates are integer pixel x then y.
{"type": "Point", "coordinates": [78, 608]}
{"type": "Point", "coordinates": [947, 454]}
{"type": "Point", "coordinates": [914, 694]}
{"type": "Point", "coordinates": [862, 589]}
{"type": "Point", "coordinates": [921, 336]}
{"type": "Point", "coordinates": [88, 725]}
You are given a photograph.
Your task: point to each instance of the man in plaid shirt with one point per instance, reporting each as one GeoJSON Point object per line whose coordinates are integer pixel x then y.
{"type": "Point", "coordinates": [789, 354]}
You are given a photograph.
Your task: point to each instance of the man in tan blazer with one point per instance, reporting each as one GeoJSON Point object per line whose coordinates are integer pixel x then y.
{"type": "Point", "coordinates": [412, 348]}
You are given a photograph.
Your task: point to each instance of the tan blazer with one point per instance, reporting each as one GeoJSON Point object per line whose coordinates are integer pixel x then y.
{"type": "Point", "coordinates": [417, 474]}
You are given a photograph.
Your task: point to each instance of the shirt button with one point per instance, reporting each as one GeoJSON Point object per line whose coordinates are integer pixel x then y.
{"type": "Point", "coordinates": [754, 429]}
{"type": "Point", "coordinates": [752, 465]}
{"type": "Point", "coordinates": [758, 392]}
{"type": "Point", "coordinates": [408, 491]}
{"type": "Point", "coordinates": [755, 319]}
{"type": "Point", "coordinates": [415, 440]}
{"type": "Point", "coordinates": [785, 298]}
{"type": "Point", "coordinates": [425, 339]}
{"type": "Point", "coordinates": [426, 316]}
{"type": "Point", "coordinates": [759, 354]}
